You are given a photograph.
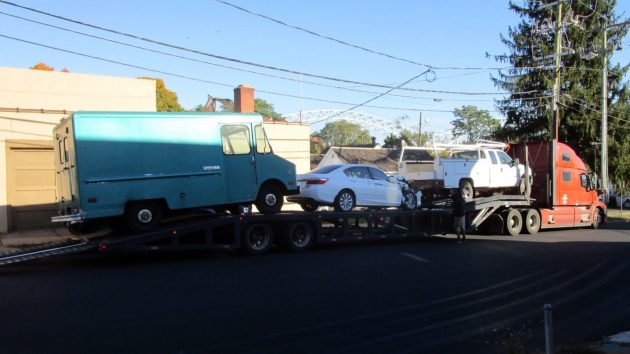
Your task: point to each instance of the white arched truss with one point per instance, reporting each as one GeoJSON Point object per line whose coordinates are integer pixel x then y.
{"type": "Point", "coordinates": [368, 121]}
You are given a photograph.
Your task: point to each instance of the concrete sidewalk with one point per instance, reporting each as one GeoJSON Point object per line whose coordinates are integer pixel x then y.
{"type": "Point", "coordinates": [28, 238]}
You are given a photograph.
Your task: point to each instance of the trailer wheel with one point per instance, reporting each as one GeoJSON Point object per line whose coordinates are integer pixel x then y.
{"type": "Point", "coordinates": [257, 238]}
{"type": "Point", "coordinates": [513, 222]}
{"type": "Point", "coordinates": [531, 219]}
{"type": "Point", "coordinates": [410, 200]}
{"type": "Point", "coordinates": [143, 216]}
{"type": "Point", "coordinates": [299, 236]}
{"type": "Point", "coordinates": [466, 189]}
{"type": "Point", "coordinates": [344, 201]}
{"type": "Point", "coordinates": [270, 199]}
{"type": "Point", "coordinates": [597, 219]}
{"type": "Point", "coordinates": [309, 206]}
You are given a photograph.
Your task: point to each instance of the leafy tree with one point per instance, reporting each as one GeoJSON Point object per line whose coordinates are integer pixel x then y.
{"type": "Point", "coordinates": [166, 100]}
{"type": "Point", "coordinates": [409, 137]}
{"type": "Point", "coordinates": [266, 109]}
{"type": "Point", "coordinates": [530, 80]}
{"type": "Point", "coordinates": [42, 66]}
{"type": "Point", "coordinates": [474, 124]}
{"type": "Point", "coordinates": [342, 132]}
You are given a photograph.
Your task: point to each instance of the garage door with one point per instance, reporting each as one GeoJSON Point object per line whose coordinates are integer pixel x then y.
{"type": "Point", "coordinates": [30, 184]}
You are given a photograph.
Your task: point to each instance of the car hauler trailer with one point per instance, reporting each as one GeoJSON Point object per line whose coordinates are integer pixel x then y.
{"type": "Point", "coordinates": [562, 195]}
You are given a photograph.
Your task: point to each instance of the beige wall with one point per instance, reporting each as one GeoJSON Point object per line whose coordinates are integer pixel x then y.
{"type": "Point", "coordinates": [291, 141]}
{"type": "Point", "coordinates": [24, 89]}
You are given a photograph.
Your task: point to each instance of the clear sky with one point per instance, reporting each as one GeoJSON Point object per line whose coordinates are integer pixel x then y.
{"type": "Point", "coordinates": [446, 33]}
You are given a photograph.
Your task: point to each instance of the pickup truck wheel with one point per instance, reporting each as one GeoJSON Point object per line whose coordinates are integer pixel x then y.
{"type": "Point", "coordinates": [466, 190]}
{"type": "Point", "coordinates": [270, 199]}
{"type": "Point", "coordinates": [513, 222]}
{"type": "Point", "coordinates": [257, 238]}
{"type": "Point", "coordinates": [410, 200]}
{"type": "Point", "coordinates": [309, 206]}
{"type": "Point", "coordinates": [344, 201]}
{"type": "Point", "coordinates": [143, 216]}
{"type": "Point", "coordinates": [531, 219]}
{"type": "Point", "coordinates": [299, 236]}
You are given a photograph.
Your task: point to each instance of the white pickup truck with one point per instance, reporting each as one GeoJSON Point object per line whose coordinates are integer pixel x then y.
{"type": "Point", "coordinates": [470, 168]}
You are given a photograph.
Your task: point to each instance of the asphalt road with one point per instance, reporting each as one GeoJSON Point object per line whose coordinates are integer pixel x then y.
{"type": "Point", "coordinates": [428, 295]}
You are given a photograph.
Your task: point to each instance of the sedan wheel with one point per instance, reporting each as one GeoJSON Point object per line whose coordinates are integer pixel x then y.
{"type": "Point", "coordinates": [344, 201]}
{"type": "Point", "coordinates": [410, 201]}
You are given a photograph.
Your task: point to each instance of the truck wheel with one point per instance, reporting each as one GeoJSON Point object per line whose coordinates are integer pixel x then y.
{"type": "Point", "coordinates": [597, 219]}
{"type": "Point", "coordinates": [299, 236]}
{"type": "Point", "coordinates": [410, 200]}
{"type": "Point", "coordinates": [143, 216]}
{"type": "Point", "coordinates": [270, 199]}
{"type": "Point", "coordinates": [344, 200]}
{"type": "Point", "coordinates": [466, 190]}
{"type": "Point", "coordinates": [257, 238]}
{"type": "Point", "coordinates": [309, 206]}
{"type": "Point", "coordinates": [531, 219]}
{"type": "Point", "coordinates": [513, 222]}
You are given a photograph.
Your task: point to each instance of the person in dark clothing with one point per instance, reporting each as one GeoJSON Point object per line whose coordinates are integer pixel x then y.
{"type": "Point", "coordinates": [459, 217]}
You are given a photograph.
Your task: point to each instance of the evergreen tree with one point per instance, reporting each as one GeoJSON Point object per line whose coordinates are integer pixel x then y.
{"type": "Point", "coordinates": [530, 78]}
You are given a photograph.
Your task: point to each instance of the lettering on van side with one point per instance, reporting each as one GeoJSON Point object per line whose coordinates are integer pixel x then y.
{"type": "Point", "coordinates": [211, 168]}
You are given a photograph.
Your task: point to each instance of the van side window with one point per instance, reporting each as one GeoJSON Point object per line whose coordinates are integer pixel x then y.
{"type": "Point", "coordinates": [262, 143]}
{"type": "Point", "coordinates": [65, 149]}
{"type": "Point", "coordinates": [566, 157]}
{"type": "Point", "coordinates": [235, 140]}
{"type": "Point", "coordinates": [566, 176]}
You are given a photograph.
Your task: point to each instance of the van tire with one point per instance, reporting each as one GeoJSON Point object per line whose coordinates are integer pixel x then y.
{"type": "Point", "coordinates": [513, 222]}
{"type": "Point", "coordinates": [270, 199]}
{"type": "Point", "coordinates": [466, 190]}
{"type": "Point", "coordinates": [531, 221]}
{"type": "Point", "coordinates": [143, 216]}
{"type": "Point", "coordinates": [257, 238]}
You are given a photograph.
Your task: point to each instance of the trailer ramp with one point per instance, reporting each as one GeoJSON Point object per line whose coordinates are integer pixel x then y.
{"type": "Point", "coordinates": [46, 251]}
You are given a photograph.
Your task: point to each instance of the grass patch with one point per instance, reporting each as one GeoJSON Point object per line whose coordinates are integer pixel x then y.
{"type": "Point", "coordinates": [619, 214]}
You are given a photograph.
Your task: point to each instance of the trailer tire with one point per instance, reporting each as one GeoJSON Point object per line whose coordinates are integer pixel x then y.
{"type": "Point", "coordinates": [309, 206]}
{"type": "Point", "coordinates": [531, 220]}
{"type": "Point", "coordinates": [410, 200]}
{"type": "Point", "coordinates": [466, 190]}
{"type": "Point", "coordinates": [143, 216]}
{"type": "Point", "coordinates": [513, 222]}
{"type": "Point", "coordinates": [257, 238]}
{"type": "Point", "coordinates": [345, 201]}
{"type": "Point", "coordinates": [597, 219]}
{"type": "Point", "coordinates": [299, 236]}
{"type": "Point", "coordinates": [270, 199]}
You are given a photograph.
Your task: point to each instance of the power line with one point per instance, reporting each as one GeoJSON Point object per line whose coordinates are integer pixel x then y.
{"type": "Point", "coordinates": [585, 104]}
{"type": "Point", "coordinates": [234, 68]}
{"type": "Point", "coordinates": [213, 82]}
{"type": "Point", "coordinates": [247, 62]}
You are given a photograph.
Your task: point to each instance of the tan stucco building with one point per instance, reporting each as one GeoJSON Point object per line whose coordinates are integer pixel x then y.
{"type": "Point", "coordinates": [31, 103]}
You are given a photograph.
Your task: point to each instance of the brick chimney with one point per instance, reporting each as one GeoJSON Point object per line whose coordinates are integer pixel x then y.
{"type": "Point", "coordinates": [244, 99]}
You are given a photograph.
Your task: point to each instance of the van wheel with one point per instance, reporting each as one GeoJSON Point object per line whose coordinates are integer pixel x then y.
{"type": "Point", "coordinates": [270, 199]}
{"type": "Point", "coordinates": [597, 219]}
{"type": "Point", "coordinates": [531, 219]}
{"type": "Point", "coordinates": [344, 200]}
{"type": "Point", "coordinates": [466, 190]}
{"type": "Point", "coordinates": [143, 216]}
{"type": "Point", "coordinates": [513, 222]}
{"type": "Point", "coordinates": [299, 236]}
{"type": "Point", "coordinates": [257, 238]}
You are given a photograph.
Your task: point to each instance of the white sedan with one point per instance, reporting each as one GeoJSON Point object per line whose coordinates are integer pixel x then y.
{"type": "Point", "coordinates": [349, 185]}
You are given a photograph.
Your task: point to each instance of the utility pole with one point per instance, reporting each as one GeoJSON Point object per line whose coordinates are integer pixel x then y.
{"type": "Point", "coordinates": [420, 129]}
{"type": "Point", "coordinates": [553, 132]}
{"type": "Point", "coordinates": [604, 138]}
